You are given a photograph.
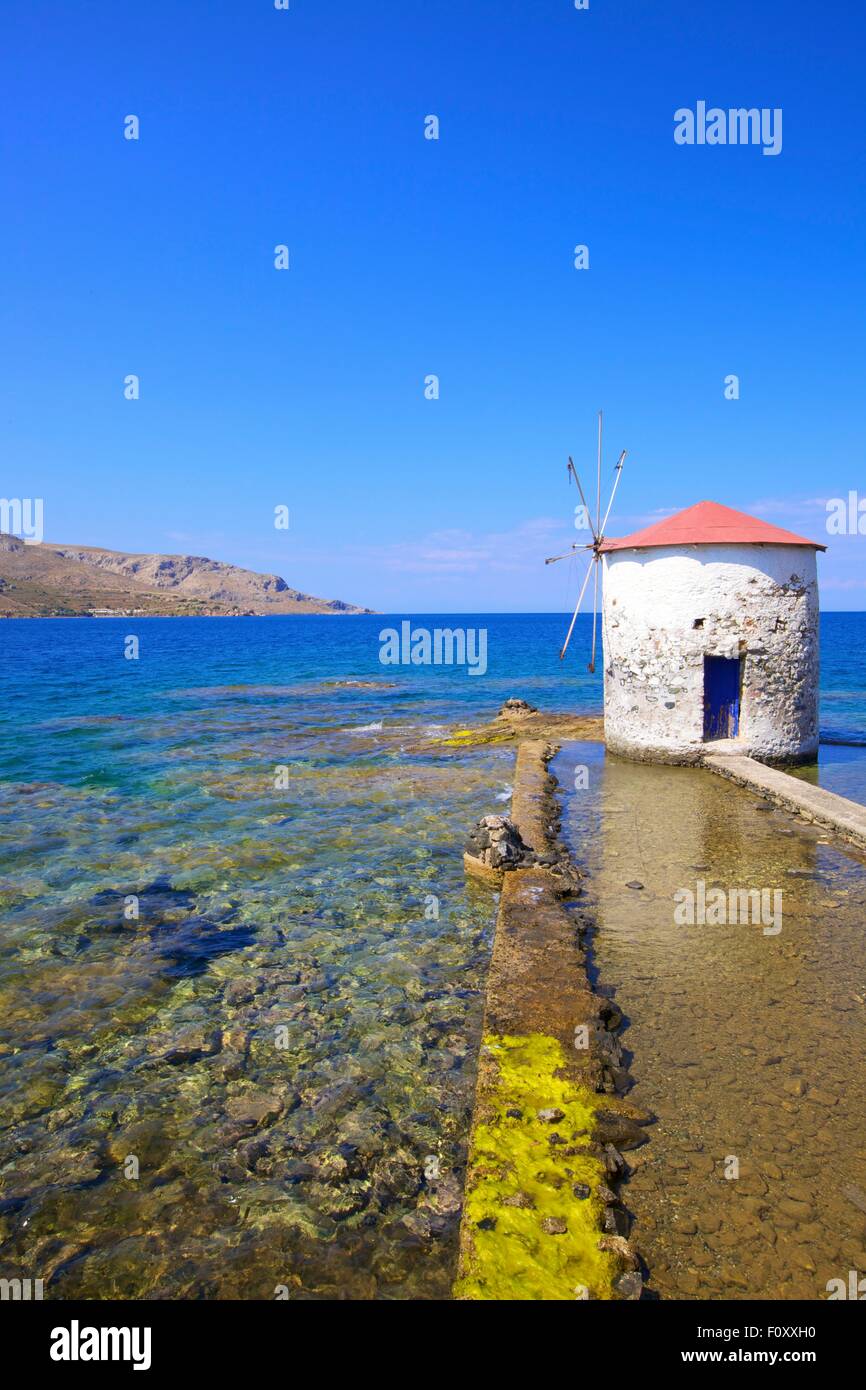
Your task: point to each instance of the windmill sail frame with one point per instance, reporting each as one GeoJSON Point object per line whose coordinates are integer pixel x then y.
{"type": "Point", "coordinates": [595, 545]}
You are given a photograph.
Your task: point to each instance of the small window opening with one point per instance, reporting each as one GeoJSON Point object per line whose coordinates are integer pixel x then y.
{"type": "Point", "coordinates": [699, 622]}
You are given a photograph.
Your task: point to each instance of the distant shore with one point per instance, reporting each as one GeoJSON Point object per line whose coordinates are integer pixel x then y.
{"type": "Point", "coordinates": [41, 579]}
{"type": "Point", "coordinates": [137, 613]}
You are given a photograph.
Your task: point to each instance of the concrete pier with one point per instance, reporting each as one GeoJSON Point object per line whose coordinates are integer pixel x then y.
{"type": "Point", "coordinates": [538, 1219]}
{"type": "Point", "coordinates": [836, 814]}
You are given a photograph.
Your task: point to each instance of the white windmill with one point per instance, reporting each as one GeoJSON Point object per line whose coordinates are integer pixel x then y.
{"type": "Point", "coordinates": [595, 545]}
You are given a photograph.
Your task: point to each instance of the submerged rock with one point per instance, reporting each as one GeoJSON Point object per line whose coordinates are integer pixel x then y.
{"type": "Point", "coordinates": [192, 1044]}
{"type": "Point", "coordinates": [445, 1197]}
{"type": "Point", "coordinates": [629, 1286]}
{"type": "Point", "coordinates": [419, 1223]}
{"type": "Point", "coordinates": [146, 1140]}
{"type": "Point", "coordinates": [253, 1109]}
{"type": "Point", "coordinates": [241, 991]}
{"type": "Point", "coordinates": [397, 1176]}
{"type": "Point", "coordinates": [619, 1130]}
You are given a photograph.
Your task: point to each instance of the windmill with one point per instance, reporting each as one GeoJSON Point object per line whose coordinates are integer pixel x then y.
{"type": "Point", "coordinates": [595, 545]}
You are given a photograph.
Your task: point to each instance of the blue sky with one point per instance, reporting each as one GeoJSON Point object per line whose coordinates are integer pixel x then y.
{"type": "Point", "coordinates": [412, 257]}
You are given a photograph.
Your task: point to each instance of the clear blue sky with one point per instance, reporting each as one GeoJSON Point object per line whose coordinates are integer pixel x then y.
{"type": "Point", "coordinates": [411, 257]}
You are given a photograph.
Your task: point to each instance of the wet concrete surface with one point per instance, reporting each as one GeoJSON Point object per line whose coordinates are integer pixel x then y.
{"type": "Point", "coordinates": [747, 1042]}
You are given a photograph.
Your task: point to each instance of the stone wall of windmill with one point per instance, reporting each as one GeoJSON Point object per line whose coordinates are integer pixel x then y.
{"type": "Point", "coordinates": [666, 609]}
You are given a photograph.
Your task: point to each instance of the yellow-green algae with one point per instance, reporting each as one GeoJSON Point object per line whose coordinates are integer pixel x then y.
{"type": "Point", "coordinates": [471, 738]}
{"type": "Point", "coordinates": [511, 1154]}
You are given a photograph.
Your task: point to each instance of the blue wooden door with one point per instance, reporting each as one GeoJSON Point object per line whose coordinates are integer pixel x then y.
{"type": "Point", "coordinates": [721, 697]}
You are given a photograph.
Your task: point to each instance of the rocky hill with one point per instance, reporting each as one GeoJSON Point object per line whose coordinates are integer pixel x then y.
{"type": "Point", "coordinates": [45, 581]}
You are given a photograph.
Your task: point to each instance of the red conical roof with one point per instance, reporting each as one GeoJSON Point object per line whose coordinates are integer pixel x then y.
{"type": "Point", "coordinates": [709, 523]}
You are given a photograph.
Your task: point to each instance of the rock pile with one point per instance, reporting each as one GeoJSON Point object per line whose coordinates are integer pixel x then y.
{"type": "Point", "coordinates": [495, 845]}
{"type": "Point", "coordinates": [516, 709]}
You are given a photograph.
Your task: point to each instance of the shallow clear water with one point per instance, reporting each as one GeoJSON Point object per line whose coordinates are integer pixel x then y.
{"type": "Point", "coordinates": [749, 1045]}
{"type": "Point", "coordinates": [265, 1076]}
{"type": "Point", "coordinates": [284, 1038]}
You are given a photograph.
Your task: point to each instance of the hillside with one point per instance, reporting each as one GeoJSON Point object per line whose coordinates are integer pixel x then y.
{"type": "Point", "coordinates": [44, 581]}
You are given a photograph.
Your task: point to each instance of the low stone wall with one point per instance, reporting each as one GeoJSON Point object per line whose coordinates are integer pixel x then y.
{"type": "Point", "coordinates": [541, 1219]}
{"type": "Point", "coordinates": [844, 818]}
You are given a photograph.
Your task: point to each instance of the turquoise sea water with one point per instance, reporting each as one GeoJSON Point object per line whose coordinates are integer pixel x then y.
{"type": "Point", "coordinates": [54, 673]}
{"type": "Point", "coordinates": [240, 966]}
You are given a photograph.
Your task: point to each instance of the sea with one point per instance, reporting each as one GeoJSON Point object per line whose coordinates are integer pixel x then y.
{"type": "Point", "coordinates": [241, 969]}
